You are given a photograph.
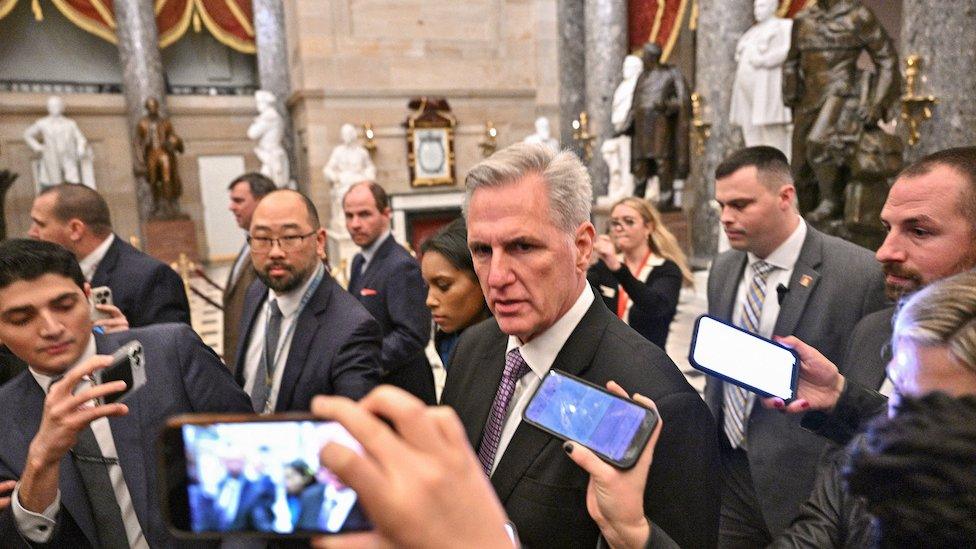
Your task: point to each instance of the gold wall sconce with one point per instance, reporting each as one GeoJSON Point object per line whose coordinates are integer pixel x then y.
{"type": "Point", "coordinates": [915, 107]}
{"type": "Point", "coordinates": [701, 128]}
{"type": "Point", "coordinates": [582, 136]}
{"type": "Point", "coordinates": [369, 138]}
{"type": "Point", "coordinates": [489, 142]}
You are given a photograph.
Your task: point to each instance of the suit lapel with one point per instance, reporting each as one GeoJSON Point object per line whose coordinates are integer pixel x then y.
{"type": "Point", "coordinates": [574, 358]}
{"type": "Point", "coordinates": [725, 307]}
{"type": "Point", "coordinates": [105, 267]}
{"type": "Point", "coordinates": [804, 279]}
{"type": "Point", "coordinates": [476, 396]}
{"type": "Point", "coordinates": [253, 301]}
{"type": "Point", "coordinates": [307, 324]}
{"type": "Point", "coordinates": [376, 262]}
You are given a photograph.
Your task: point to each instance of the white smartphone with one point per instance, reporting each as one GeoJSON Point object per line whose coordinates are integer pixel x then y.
{"type": "Point", "coordinates": [101, 295]}
{"type": "Point", "coordinates": [743, 358]}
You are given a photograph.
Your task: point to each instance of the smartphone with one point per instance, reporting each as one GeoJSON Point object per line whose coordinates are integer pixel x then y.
{"type": "Point", "coordinates": [254, 476]}
{"type": "Point", "coordinates": [743, 358]}
{"type": "Point", "coordinates": [101, 295]}
{"type": "Point", "coordinates": [615, 428]}
{"type": "Point", "coordinates": [128, 365]}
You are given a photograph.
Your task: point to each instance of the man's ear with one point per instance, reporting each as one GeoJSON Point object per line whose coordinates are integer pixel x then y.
{"type": "Point", "coordinates": [87, 289]}
{"type": "Point", "coordinates": [76, 229]}
{"type": "Point", "coordinates": [787, 195]}
{"type": "Point", "coordinates": [585, 235]}
{"type": "Point", "coordinates": [321, 238]}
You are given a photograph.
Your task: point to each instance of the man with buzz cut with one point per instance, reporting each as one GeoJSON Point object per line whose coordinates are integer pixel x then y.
{"type": "Point", "coordinates": [781, 277]}
{"type": "Point", "coordinates": [146, 290]}
{"type": "Point", "coordinates": [86, 471]}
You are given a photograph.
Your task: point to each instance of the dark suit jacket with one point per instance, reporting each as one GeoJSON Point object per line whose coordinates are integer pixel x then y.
{"type": "Point", "coordinates": [655, 300]}
{"type": "Point", "coordinates": [182, 375]}
{"type": "Point", "coordinates": [843, 283]}
{"type": "Point", "coordinates": [396, 296]}
{"type": "Point", "coordinates": [543, 491]}
{"type": "Point", "coordinates": [234, 294]}
{"type": "Point", "coordinates": [10, 365]}
{"type": "Point", "coordinates": [254, 506]}
{"type": "Point", "coordinates": [311, 505]}
{"type": "Point", "coordinates": [334, 351]}
{"type": "Point", "coordinates": [144, 288]}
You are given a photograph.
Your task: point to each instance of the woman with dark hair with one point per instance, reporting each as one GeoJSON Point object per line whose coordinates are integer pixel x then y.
{"type": "Point", "coordinates": [297, 477]}
{"type": "Point", "coordinates": [454, 295]}
{"type": "Point", "coordinates": [640, 269]}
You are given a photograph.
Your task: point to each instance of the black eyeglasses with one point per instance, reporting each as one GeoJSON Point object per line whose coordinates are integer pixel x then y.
{"type": "Point", "coordinates": [286, 243]}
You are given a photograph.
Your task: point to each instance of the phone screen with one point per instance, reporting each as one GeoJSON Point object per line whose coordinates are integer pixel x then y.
{"type": "Point", "coordinates": [264, 477]}
{"type": "Point", "coordinates": [744, 358]}
{"type": "Point", "coordinates": [604, 423]}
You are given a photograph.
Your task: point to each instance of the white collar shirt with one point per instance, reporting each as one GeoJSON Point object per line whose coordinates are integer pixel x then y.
{"type": "Point", "coordinates": [89, 263]}
{"type": "Point", "coordinates": [370, 251]}
{"type": "Point", "coordinates": [539, 354]}
{"type": "Point", "coordinates": [38, 527]}
{"type": "Point", "coordinates": [289, 303]}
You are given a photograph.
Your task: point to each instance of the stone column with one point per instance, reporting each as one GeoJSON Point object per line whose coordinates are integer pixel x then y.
{"type": "Point", "coordinates": [949, 67]}
{"type": "Point", "coordinates": [142, 78]}
{"type": "Point", "coordinates": [272, 54]}
{"type": "Point", "coordinates": [720, 24]}
{"type": "Point", "coordinates": [606, 47]}
{"type": "Point", "coordinates": [572, 68]}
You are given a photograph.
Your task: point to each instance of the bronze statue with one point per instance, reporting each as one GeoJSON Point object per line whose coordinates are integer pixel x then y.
{"type": "Point", "coordinates": [835, 108]}
{"type": "Point", "coordinates": [7, 179]}
{"type": "Point", "coordinates": [159, 146]}
{"type": "Point", "coordinates": [658, 124]}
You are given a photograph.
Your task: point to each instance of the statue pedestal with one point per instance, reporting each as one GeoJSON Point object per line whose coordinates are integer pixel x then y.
{"type": "Point", "coordinates": [167, 239]}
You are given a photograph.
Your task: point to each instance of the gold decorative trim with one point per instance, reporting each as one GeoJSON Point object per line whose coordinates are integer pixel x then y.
{"type": "Point", "coordinates": [179, 29]}
{"type": "Point", "coordinates": [693, 20]}
{"type": "Point", "coordinates": [675, 31]}
{"type": "Point", "coordinates": [6, 6]}
{"type": "Point", "coordinates": [656, 27]}
{"type": "Point", "coordinates": [105, 13]}
{"type": "Point", "coordinates": [235, 10]}
{"type": "Point", "coordinates": [98, 29]}
{"type": "Point", "coordinates": [222, 36]}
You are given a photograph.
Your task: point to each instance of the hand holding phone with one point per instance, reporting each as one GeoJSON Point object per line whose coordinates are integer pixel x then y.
{"type": "Point", "coordinates": [573, 409]}
{"type": "Point", "coordinates": [102, 295]}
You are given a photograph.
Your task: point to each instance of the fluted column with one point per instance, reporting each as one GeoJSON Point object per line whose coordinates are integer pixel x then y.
{"type": "Point", "coordinates": [272, 53]}
{"type": "Point", "coordinates": [142, 78]}
{"type": "Point", "coordinates": [720, 24]}
{"type": "Point", "coordinates": [606, 47]}
{"type": "Point", "coordinates": [944, 34]}
{"type": "Point", "coordinates": [572, 68]}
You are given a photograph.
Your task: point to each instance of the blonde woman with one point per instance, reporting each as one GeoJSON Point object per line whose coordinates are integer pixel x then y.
{"type": "Point", "coordinates": [640, 269]}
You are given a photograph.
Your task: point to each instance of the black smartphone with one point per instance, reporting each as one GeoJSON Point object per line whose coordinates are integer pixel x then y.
{"type": "Point", "coordinates": [743, 358]}
{"type": "Point", "coordinates": [128, 365]}
{"type": "Point", "coordinates": [254, 476]}
{"type": "Point", "coordinates": [101, 295]}
{"type": "Point", "coordinates": [615, 428]}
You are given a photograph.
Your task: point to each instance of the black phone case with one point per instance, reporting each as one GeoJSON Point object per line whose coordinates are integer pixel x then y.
{"type": "Point", "coordinates": [619, 464]}
{"type": "Point", "coordinates": [691, 359]}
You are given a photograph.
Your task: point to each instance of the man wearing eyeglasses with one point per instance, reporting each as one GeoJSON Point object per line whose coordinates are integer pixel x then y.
{"type": "Point", "coordinates": [302, 334]}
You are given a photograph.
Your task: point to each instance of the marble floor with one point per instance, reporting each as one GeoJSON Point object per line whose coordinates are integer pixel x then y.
{"type": "Point", "coordinates": [207, 319]}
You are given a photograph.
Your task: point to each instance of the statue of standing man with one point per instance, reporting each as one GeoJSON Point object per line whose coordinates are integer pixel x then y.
{"type": "Point", "coordinates": [616, 151]}
{"type": "Point", "coordinates": [757, 91]}
{"type": "Point", "coordinates": [60, 145]}
{"type": "Point", "coordinates": [830, 110]}
{"type": "Point", "coordinates": [159, 145]}
{"type": "Point", "coordinates": [348, 164]}
{"type": "Point", "coordinates": [268, 129]}
{"type": "Point", "coordinates": [659, 125]}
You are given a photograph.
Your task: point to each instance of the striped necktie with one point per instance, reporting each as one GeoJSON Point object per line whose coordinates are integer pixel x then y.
{"type": "Point", "coordinates": [738, 401]}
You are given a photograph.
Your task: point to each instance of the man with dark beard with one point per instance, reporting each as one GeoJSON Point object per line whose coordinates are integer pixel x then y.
{"type": "Point", "coordinates": [301, 334]}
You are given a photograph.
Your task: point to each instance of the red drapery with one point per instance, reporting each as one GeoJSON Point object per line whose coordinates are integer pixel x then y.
{"type": "Point", "coordinates": [229, 21]}
{"type": "Point", "coordinates": [789, 8]}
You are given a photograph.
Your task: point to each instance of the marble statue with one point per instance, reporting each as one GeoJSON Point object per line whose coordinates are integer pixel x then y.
{"type": "Point", "coordinates": [348, 164]}
{"type": "Point", "coordinates": [7, 179]}
{"type": "Point", "coordinates": [268, 129]}
{"type": "Point", "coordinates": [61, 147]}
{"type": "Point", "coordinates": [616, 151]}
{"type": "Point", "coordinates": [659, 125]}
{"type": "Point", "coordinates": [757, 91]}
{"type": "Point", "coordinates": [543, 134]}
{"type": "Point", "coordinates": [832, 104]}
{"type": "Point", "coordinates": [158, 145]}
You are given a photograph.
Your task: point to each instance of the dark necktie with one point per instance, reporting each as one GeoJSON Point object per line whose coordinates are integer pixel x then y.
{"type": "Point", "coordinates": [738, 401]}
{"type": "Point", "coordinates": [515, 368]}
{"type": "Point", "coordinates": [93, 467]}
{"type": "Point", "coordinates": [265, 374]}
{"type": "Point", "coordinates": [355, 272]}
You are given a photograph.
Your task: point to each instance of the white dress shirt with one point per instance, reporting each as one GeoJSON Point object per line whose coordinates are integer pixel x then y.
{"type": "Point", "coordinates": [370, 251]}
{"type": "Point", "coordinates": [784, 258]}
{"type": "Point", "coordinates": [238, 267]}
{"type": "Point", "coordinates": [38, 527]}
{"type": "Point", "coordinates": [89, 263]}
{"type": "Point", "coordinates": [539, 354]}
{"type": "Point", "coordinates": [289, 304]}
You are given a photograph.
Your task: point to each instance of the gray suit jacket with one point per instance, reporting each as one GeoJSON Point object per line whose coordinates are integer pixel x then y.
{"type": "Point", "coordinates": [844, 284]}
